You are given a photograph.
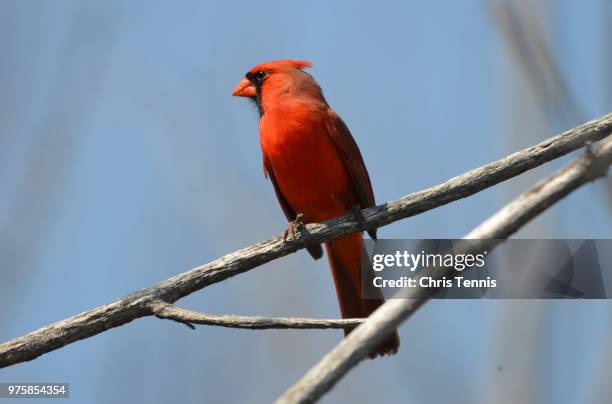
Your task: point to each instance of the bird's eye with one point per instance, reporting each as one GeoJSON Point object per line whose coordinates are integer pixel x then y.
{"type": "Point", "coordinates": [260, 75]}
{"type": "Point", "coordinates": [257, 77]}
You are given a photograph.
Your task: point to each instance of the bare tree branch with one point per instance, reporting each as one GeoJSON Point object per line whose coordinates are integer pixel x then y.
{"type": "Point", "coordinates": [171, 312]}
{"type": "Point", "coordinates": [365, 338]}
{"type": "Point", "coordinates": [145, 302]}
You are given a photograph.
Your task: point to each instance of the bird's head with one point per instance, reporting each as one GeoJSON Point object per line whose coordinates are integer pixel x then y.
{"type": "Point", "coordinates": [273, 79]}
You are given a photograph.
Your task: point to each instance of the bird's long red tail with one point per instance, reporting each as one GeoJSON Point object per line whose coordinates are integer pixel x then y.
{"type": "Point", "coordinates": [345, 260]}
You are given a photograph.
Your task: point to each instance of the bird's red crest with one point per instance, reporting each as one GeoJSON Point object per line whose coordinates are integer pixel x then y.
{"type": "Point", "coordinates": [279, 64]}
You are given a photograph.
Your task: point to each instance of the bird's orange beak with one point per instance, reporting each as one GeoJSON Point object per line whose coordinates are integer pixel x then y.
{"type": "Point", "coordinates": [245, 89]}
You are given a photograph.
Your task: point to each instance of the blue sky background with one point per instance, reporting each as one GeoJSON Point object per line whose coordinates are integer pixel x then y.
{"type": "Point", "coordinates": [124, 160]}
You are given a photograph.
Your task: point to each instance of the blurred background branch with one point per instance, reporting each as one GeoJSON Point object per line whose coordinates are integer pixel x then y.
{"type": "Point", "coordinates": [520, 28]}
{"type": "Point", "coordinates": [26, 223]}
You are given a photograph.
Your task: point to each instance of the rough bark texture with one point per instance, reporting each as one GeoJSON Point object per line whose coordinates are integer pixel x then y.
{"type": "Point", "coordinates": [144, 302]}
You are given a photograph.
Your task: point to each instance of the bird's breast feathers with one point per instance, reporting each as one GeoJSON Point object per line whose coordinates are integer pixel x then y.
{"type": "Point", "coordinates": [307, 165]}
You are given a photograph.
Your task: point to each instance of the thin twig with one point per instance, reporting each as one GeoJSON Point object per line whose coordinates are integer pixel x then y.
{"type": "Point", "coordinates": [138, 304]}
{"type": "Point", "coordinates": [365, 338]}
{"type": "Point", "coordinates": [171, 312]}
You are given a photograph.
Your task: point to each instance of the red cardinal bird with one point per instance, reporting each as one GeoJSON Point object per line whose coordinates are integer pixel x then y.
{"type": "Point", "coordinates": [316, 169]}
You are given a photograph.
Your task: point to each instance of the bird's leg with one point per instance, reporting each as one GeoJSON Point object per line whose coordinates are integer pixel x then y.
{"type": "Point", "coordinates": [361, 220]}
{"type": "Point", "coordinates": [293, 226]}
{"type": "Point", "coordinates": [358, 215]}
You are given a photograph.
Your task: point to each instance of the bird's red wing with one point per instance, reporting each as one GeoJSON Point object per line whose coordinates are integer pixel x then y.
{"type": "Point", "coordinates": [349, 151]}
{"type": "Point", "coordinates": [315, 250]}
